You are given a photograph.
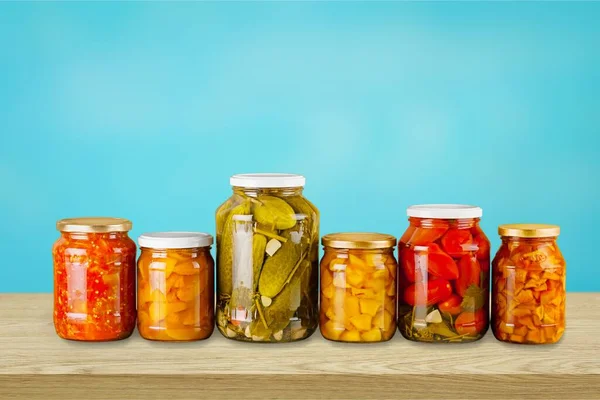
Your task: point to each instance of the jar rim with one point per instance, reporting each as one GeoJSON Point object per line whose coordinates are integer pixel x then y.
{"type": "Point", "coordinates": [267, 180]}
{"type": "Point", "coordinates": [175, 240]}
{"type": "Point", "coordinates": [94, 225]}
{"type": "Point", "coordinates": [444, 211]}
{"type": "Point", "coordinates": [358, 240]}
{"type": "Point", "coordinates": [529, 230]}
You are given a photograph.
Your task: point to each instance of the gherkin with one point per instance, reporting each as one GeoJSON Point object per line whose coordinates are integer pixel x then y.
{"type": "Point", "coordinates": [284, 251]}
{"type": "Point", "coordinates": [225, 246]}
{"type": "Point", "coordinates": [275, 212]}
{"type": "Point", "coordinates": [278, 267]}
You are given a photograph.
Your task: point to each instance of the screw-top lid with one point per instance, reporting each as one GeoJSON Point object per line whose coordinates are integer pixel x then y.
{"type": "Point", "coordinates": [529, 230]}
{"type": "Point", "coordinates": [358, 240]}
{"type": "Point", "coordinates": [270, 180]}
{"type": "Point", "coordinates": [94, 225]}
{"type": "Point", "coordinates": [175, 240]}
{"type": "Point", "coordinates": [444, 211]}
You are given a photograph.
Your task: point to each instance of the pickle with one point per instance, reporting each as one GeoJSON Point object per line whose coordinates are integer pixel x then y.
{"type": "Point", "coordinates": [275, 212]}
{"type": "Point", "coordinates": [225, 246]}
{"type": "Point", "coordinates": [259, 244]}
{"type": "Point", "coordinates": [283, 306]}
{"type": "Point", "coordinates": [278, 267]}
{"type": "Point", "coordinates": [284, 251]}
{"type": "Point", "coordinates": [304, 207]}
{"type": "Point", "coordinates": [241, 297]}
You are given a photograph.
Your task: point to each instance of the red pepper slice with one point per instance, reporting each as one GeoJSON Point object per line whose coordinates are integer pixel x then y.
{"type": "Point", "coordinates": [452, 305]}
{"type": "Point", "coordinates": [433, 261]}
{"type": "Point", "coordinates": [406, 235]}
{"type": "Point", "coordinates": [454, 241]}
{"type": "Point", "coordinates": [441, 264]}
{"type": "Point", "coordinates": [469, 274]}
{"type": "Point", "coordinates": [483, 247]}
{"type": "Point", "coordinates": [470, 323]}
{"type": "Point", "coordinates": [407, 263]}
{"type": "Point", "coordinates": [425, 236]}
{"type": "Point", "coordinates": [427, 293]}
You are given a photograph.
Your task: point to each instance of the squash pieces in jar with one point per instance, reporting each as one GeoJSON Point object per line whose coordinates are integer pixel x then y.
{"type": "Point", "coordinates": [175, 294]}
{"type": "Point", "coordinates": [358, 295]}
{"type": "Point", "coordinates": [528, 291]}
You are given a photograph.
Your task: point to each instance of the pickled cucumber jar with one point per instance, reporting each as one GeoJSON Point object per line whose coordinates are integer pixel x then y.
{"type": "Point", "coordinates": [94, 279]}
{"type": "Point", "coordinates": [528, 285]}
{"type": "Point", "coordinates": [175, 286]}
{"type": "Point", "coordinates": [443, 286]}
{"type": "Point", "coordinates": [358, 287]}
{"type": "Point", "coordinates": [267, 255]}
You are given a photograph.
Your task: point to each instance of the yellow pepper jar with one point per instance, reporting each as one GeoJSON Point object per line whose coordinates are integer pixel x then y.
{"type": "Point", "coordinates": [528, 285]}
{"type": "Point", "coordinates": [358, 287]}
{"type": "Point", "coordinates": [175, 286]}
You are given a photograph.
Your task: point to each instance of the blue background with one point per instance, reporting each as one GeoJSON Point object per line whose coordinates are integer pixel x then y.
{"type": "Point", "coordinates": [144, 110]}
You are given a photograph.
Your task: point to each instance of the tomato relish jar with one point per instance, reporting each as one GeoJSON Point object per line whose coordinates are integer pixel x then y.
{"type": "Point", "coordinates": [443, 290]}
{"type": "Point", "coordinates": [528, 285]}
{"type": "Point", "coordinates": [94, 279]}
{"type": "Point", "coordinates": [358, 287]}
{"type": "Point", "coordinates": [175, 286]}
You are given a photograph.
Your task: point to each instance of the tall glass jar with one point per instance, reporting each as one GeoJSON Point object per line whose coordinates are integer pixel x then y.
{"type": "Point", "coordinates": [267, 260]}
{"type": "Point", "coordinates": [94, 279]}
{"type": "Point", "coordinates": [175, 286]}
{"type": "Point", "coordinates": [358, 287]}
{"type": "Point", "coordinates": [528, 287]}
{"type": "Point", "coordinates": [444, 284]}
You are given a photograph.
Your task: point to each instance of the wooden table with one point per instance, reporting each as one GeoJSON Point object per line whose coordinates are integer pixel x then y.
{"type": "Point", "coordinates": [35, 363]}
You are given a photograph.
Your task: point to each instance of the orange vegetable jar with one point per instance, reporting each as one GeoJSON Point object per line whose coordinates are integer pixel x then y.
{"type": "Point", "coordinates": [443, 291]}
{"type": "Point", "coordinates": [94, 279]}
{"type": "Point", "coordinates": [175, 286]}
{"type": "Point", "coordinates": [358, 287]}
{"type": "Point", "coordinates": [528, 287]}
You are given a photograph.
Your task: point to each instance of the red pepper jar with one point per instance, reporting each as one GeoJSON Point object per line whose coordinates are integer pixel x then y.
{"type": "Point", "coordinates": [94, 279]}
{"type": "Point", "coordinates": [444, 259]}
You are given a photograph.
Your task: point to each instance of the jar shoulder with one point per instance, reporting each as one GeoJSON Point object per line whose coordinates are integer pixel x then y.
{"type": "Point", "coordinates": [529, 254]}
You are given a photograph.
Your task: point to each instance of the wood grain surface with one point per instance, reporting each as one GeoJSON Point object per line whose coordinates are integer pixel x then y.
{"type": "Point", "coordinates": [35, 363]}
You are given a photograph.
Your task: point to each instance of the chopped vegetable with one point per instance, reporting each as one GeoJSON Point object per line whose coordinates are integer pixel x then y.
{"type": "Point", "coordinates": [528, 291]}
{"type": "Point", "coordinates": [94, 286]}
{"type": "Point", "coordinates": [444, 280]}
{"type": "Point", "coordinates": [363, 307]}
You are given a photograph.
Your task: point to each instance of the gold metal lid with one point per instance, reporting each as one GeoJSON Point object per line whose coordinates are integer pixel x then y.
{"type": "Point", "coordinates": [94, 224]}
{"type": "Point", "coordinates": [529, 230]}
{"type": "Point", "coordinates": [358, 240]}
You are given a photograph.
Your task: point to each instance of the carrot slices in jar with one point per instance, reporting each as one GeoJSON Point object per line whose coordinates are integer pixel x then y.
{"type": "Point", "coordinates": [175, 286]}
{"type": "Point", "coordinates": [528, 296]}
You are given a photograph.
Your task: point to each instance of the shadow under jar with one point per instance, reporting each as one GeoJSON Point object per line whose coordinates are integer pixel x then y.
{"type": "Point", "coordinates": [175, 286]}
{"type": "Point", "coordinates": [528, 286]}
{"type": "Point", "coordinates": [94, 279]}
{"type": "Point", "coordinates": [443, 291]}
{"type": "Point", "coordinates": [358, 287]}
{"type": "Point", "coordinates": [267, 260]}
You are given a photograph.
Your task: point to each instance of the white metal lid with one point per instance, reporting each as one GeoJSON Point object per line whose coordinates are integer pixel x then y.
{"type": "Point", "coordinates": [268, 180]}
{"type": "Point", "coordinates": [175, 240]}
{"type": "Point", "coordinates": [444, 211]}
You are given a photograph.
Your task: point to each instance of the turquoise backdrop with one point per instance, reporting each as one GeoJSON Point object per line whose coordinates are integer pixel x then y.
{"type": "Point", "coordinates": [144, 110]}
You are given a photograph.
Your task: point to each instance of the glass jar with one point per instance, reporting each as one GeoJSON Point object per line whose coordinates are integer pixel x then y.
{"type": "Point", "coordinates": [94, 279]}
{"type": "Point", "coordinates": [267, 255]}
{"type": "Point", "coordinates": [528, 286]}
{"type": "Point", "coordinates": [358, 287]}
{"type": "Point", "coordinates": [175, 286]}
{"type": "Point", "coordinates": [444, 260]}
